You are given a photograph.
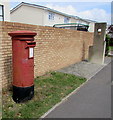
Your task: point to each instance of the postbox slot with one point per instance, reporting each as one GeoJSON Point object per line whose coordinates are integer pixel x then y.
{"type": "Point", "coordinates": [31, 44]}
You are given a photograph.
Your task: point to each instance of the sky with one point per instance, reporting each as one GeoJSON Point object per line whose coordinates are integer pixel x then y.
{"type": "Point", "coordinates": [96, 10]}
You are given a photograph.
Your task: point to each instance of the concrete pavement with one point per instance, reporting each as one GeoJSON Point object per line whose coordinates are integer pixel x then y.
{"type": "Point", "coordinates": [85, 69]}
{"type": "Point", "coordinates": [93, 100]}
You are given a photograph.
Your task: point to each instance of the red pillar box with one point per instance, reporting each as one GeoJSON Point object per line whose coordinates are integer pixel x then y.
{"type": "Point", "coordinates": [23, 65]}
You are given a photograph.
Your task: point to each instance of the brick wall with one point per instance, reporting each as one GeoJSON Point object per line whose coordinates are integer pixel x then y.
{"type": "Point", "coordinates": [56, 48]}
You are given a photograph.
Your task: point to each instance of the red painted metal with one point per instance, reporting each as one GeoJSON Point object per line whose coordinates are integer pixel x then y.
{"type": "Point", "coordinates": [23, 66]}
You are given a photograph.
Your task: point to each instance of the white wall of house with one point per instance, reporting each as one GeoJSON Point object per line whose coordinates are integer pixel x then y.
{"type": "Point", "coordinates": [36, 16]}
{"type": "Point", "coordinates": [58, 18]}
{"type": "Point", "coordinates": [82, 22]}
{"type": "Point", "coordinates": [73, 20]}
{"type": "Point", "coordinates": [91, 27]}
{"type": "Point", "coordinates": [79, 21]}
{"type": "Point", "coordinates": [6, 10]}
{"type": "Point", "coordinates": [28, 14]}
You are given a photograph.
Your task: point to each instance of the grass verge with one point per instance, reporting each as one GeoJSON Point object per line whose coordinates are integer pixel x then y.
{"type": "Point", "coordinates": [49, 90]}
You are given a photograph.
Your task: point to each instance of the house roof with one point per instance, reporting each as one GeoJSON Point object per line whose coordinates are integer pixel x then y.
{"type": "Point", "coordinates": [49, 9]}
{"type": "Point", "coordinates": [90, 20]}
{"type": "Point", "coordinates": [28, 4]}
{"type": "Point", "coordinates": [38, 6]}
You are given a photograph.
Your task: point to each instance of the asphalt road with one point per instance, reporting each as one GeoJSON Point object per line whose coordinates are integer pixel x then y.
{"type": "Point", "coordinates": [93, 100]}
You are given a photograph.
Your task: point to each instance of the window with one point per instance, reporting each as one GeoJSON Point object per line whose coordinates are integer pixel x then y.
{"type": "Point", "coordinates": [51, 16]}
{"type": "Point", "coordinates": [1, 13]}
{"type": "Point", "coordinates": [66, 20]}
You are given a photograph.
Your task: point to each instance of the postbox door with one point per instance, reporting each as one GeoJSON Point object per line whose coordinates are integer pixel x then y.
{"type": "Point", "coordinates": [30, 46]}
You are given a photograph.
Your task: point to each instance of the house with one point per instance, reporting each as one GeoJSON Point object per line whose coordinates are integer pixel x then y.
{"type": "Point", "coordinates": [4, 11]}
{"type": "Point", "coordinates": [41, 15]}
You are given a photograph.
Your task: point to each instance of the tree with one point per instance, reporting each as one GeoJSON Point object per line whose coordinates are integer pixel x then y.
{"type": "Point", "coordinates": [110, 31]}
{"type": "Point", "coordinates": [109, 39]}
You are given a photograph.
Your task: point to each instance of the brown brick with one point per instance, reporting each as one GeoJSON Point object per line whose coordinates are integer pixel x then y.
{"type": "Point", "coordinates": [56, 48]}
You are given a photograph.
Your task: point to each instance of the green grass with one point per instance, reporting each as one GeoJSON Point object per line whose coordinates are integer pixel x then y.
{"type": "Point", "coordinates": [49, 90]}
{"type": "Point", "coordinates": [110, 47]}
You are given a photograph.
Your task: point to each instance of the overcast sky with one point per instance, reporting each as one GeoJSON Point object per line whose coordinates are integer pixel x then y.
{"type": "Point", "coordinates": [94, 10]}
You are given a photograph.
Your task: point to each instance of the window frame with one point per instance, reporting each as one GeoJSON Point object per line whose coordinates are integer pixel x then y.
{"type": "Point", "coordinates": [2, 15]}
{"type": "Point", "coordinates": [66, 19]}
{"type": "Point", "coordinates": [51, 16]}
